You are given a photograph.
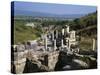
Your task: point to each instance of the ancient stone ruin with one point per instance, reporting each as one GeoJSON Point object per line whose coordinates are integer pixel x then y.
{"type": "Point", "coordinates": [57, 51]}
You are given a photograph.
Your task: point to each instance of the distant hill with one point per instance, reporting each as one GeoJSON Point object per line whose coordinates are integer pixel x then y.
{"type": "Point", "coordinates": [41, 14]}
{"type": "Point", "coordinates": [87, 25]}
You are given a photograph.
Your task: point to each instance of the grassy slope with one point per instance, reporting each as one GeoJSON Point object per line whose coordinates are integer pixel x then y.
{"type": "Point", "coordinates": [88, 33]}
{"type": "Point", "coordinates": [23, 33]}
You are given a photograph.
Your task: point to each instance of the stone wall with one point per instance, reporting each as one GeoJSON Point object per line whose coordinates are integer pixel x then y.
{"type": "Point", "coordinates": [52, 60]}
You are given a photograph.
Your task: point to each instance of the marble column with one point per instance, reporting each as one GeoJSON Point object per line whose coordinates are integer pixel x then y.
{"type": "Point", "coordinates": [62, 41]}
{"type": "Point", "coordinates": [67, 29]}
{"type": "Point", "coordinates": [56, 34]}
{"type": "Point", "coordinates": [45, 40]}
{"type": "Point", "coordinates": [62, 32]}
{"type": "Point", "coordinates": [93, 45]}
{"type": "Point", "coordinates": [62, 45]}
{"type": "Point", "coordinates": [68, 44]}
{"type": "Point", "coordinates": [52, 35]}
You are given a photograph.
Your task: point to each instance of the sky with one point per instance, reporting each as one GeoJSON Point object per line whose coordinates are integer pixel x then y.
{"type": "Point", "coordinates": [54, 8]}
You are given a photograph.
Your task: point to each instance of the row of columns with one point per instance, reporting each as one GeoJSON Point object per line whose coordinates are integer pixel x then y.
{"type": "Point", "coordinates": [72, 35]}
{"type": "Point", "coordinates": [56, 36]}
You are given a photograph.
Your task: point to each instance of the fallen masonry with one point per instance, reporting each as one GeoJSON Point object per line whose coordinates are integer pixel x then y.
{"type": "Point", "coordinates": [54, 61]}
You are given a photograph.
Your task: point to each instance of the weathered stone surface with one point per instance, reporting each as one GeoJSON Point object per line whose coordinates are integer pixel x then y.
{"type": "Point", "coordinates": [81, 63]}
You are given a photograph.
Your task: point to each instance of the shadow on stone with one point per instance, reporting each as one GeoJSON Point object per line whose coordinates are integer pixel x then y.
{"type": "Point", "coordinates": [30, 67]}
{"type": "Point", "coordinates": [13, 69]}
{"type": "Point", "coordinates": [63, 60]}
{"type": "Point", "coordinates": [66, 62]}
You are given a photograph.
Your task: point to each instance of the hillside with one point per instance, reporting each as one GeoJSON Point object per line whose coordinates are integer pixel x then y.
{"type": "Point", "coordinates": [86, 28]}
{"type": "Point", "coordinates": [24, 33]}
